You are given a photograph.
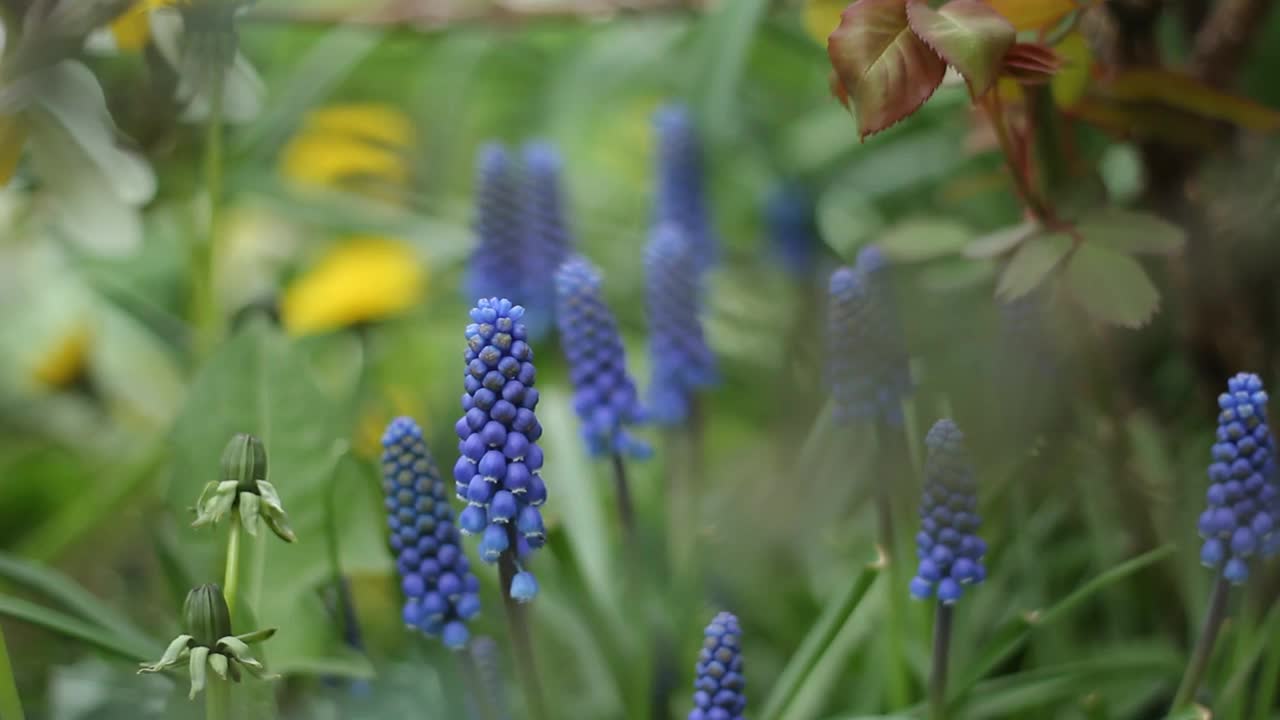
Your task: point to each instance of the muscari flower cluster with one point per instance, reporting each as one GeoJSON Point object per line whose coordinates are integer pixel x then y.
{"type": "Point", "coordinates": [498, 473]}
{"type": "Point", "coordinates": [1243, 498]}
{"type": "Point", "coordinates": [718, 690]}
{"type": "Point", "coordinates": [949, 550]}
{"type": "Point", "coordinates": [547, 235]}
{"type": "Point", "coordinates": [867, 363]}
{"type": "Point", "coordinates": [496, 267]}
{"type": "Point", "coordinates": [681, 194]}
{"type": "Point", "coordinates": [682, 361]}
{"type": "Point", "coordinates": [793, 230]}
{"type": "Point", "coordinates": [441, 593]}
{"type": "Point", "coordinates": [604, 395]}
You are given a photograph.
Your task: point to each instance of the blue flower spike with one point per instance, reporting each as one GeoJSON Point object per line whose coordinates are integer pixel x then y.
{"type": "Point", "coordinates": [681, 192]}
{"type": "Point", "coordinates": [718, 691]}
{"type": "Point", "coordinates": [948, 547]}
{"type": "Point", "coordinates": [604, 395]}
{"type": "Point", "coordinates": [497, 262]}
{"type": "Point", "coordinates": [548, 240]}
{"type": "Point", "coordinates": [681, 359]}
{"type": "Point", "coordinates": [793, 230]}
{"type": "Point", "coordinates": [1239, 523]}
{"type": "Point", "coordinates": [868, 367]}
{"type": "Point", "coordinates": [499, 472]}
{"type": "Point", "coordinates": [441, 593]}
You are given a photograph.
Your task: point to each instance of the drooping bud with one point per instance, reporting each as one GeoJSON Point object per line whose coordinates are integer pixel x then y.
{"type": "Point", "coordinates": [243, 489]}
{"type": "Point", "coordinates": [206, 616]}
{"type": "Point", "coordinates": [244, 460]}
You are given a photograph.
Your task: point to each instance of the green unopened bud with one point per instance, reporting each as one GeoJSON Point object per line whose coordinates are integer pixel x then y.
{"type": "Point", "coordinates": [245, 461]}
{"type": "Point", "coordinates": [206, 615]}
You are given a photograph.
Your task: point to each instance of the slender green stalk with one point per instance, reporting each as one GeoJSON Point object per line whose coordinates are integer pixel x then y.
{"type": "Point", "coordinates": [941, 655]}
{"type": "Point", "coordinates": [891, 463]}
{"type": "Point", "coordinates": [10, 703]}
{"type": "Point", "coordinates": [518, 623]}
{"type": "Point", "coordinates": [626, 510]}
{"type": "Point", "coordinates": [480, 695]}
{"type": "Point", "coordinates": [231, 580]}
{"type": "Point", "coordinates": [204, 310]}
{"type": "Point", "coordinates": [1204, 646]}
{"type": "Point", "coordinates": [217, 699]}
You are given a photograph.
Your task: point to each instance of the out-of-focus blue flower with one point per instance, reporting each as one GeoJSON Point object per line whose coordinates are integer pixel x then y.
{"type": "Point", "coordinates": [604, 396]}
{"type": "Point", "coordinates": [867, 365]}
{"type": "Point", "coordinates": [681, 193]}
{"type": "Point", "coordinates": [947, 545]}
{"type": "Point", "coordinates": [548, 238]}
{"type": "Point", "coordinates": [441, 593]}
{"type": "Point", "coordinates": [489, 664]}
{"type": "Point", "coordinates": [1240, 521]}
{"type": "Point", "coordinates": [497, 264]}
{"type": "Point", "coordinates": [498, 471]}
{"type": "Point", "coordinates": [1027, 364]}
{"type": "Point", "coordinates": [793, 230]}
{"type": "Point", "coordinates": [682, 361]}
{"type": "Point", "coordinates": [718, 691]}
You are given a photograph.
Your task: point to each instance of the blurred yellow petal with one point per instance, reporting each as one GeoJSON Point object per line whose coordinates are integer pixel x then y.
{"type": "Point", "coordinates": [323, 159]}
{"type": "Point", "coordinates": [1072, 80]}
{"type": "Point", "coordinates": [65, 362]}
{"type": "Point", "coordinates": [360, 279]}
{"type": "Point", "coordinates": [393, 402]}
{"type": "Point", "coordinates": [132, 29]}
{"type": "Point", "coordinates": [821, 17]}
{"type": "Point", "coordinates": [373, 122]}
{"type": "Point", "coordinates": [13, 135]}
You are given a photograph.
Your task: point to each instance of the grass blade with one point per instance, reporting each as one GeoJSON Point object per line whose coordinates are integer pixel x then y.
{"type": "Point", "coordinates": [71, 627]}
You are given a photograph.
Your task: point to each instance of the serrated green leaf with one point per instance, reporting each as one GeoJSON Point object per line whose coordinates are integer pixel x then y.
{"type": "Point", "coordinates": [1130, 231]}
{"type": "Point", "coordinates": [1031, 264]}
{"type": "Point", "coordinates": [1111, 286]}
{"type": "Point", "coordinates": [1000, 241]}
{"type": "Point", "coordinates": [924, 239]}
{"type": "Point", "coordinates": [887, 71]}
{"type": "Point", "coordinates": [968, 34]}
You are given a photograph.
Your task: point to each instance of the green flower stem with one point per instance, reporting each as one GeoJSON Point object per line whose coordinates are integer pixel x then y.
{"type": "Point", "coordinates": [941, 654]}
{"type": "Point", "coordinates": [475, 686]}
{"type": "Point", "coordinates": [10, 703]}
{"type": "Point", "coordinates": [205, 316]}
{"type": "Point", "coordinates": [626, 510]}
{"type": "Point", "coordinates": [518, 623]}
{"type": "Point", "coordinates": [1204, 646]}
{"type": "Point", "coordinates": [231, 580]}
{"type": "Point", "coordinates": [892, 461]}
{"type": "Point", "coordinates": [217, 698]}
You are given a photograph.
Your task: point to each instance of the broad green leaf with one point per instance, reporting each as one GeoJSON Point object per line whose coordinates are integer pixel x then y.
{"type": "Point", "coordinates": [968, 34]}
{"type": "Point", "coordinates": [1033, 14]}
{"type": "Point", "coordinates": [1111, 286]}
{"type": "Point", "coordinates": [1001, 241]}
{"type": "Point", "coordinates": [70, 595]}
{"type": "Point", "coordinates": [817, 641]}
{"type": "Point", "coordinates": [724, 51]}
{"type": "Point", "coordinates": [1031, 264]}
{"type": "Point", "coordinates": [887, 71]}
{"type": "Point", "coordinates": [924, 239]}
{"type": "Point", "coordinates": [77, 629]}
{"type": "Point", "coordinates": [259, 383]}
{"type": "Point", "coordinates": [1131, 231]}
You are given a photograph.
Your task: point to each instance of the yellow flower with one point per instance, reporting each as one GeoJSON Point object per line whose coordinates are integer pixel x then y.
{"type": "Point", "coordinates": [351, 142]}
{"type": "Point", "coordinates": [132, 29]}
{"type": "Point", "coordinates": [394, 401]}
{"type": "Point", "coordinates": [821, 17]}
{"type": "Point", "coordinates": [361, 279]}
{"type": "Point", "coordinates": [65, 362]}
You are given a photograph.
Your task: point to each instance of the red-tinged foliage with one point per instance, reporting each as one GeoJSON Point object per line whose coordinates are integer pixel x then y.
{"type": "Point", "coordinates": [968, 34]}
{"type": "Point", "coordinates": [837, 90]}
{"type": "Point", "coordinates": [1031, 63]}
{"type": "Point", "coordinates": [887, 71]}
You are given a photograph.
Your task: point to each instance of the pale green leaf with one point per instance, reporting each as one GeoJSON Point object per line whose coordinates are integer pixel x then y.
{"type": "Point", "coordinates": [1111, 286]}
{"type": "Point", "coordinates": [1029, 266]}
{"type": "Point", "coordinates": [1132, 231]}
{"type": "Point", "coordinates": [1000, 241]}
{"type": "Point", "coordinates": [924, 239]}
{"type": "Point", "coordinates": [968, 34]}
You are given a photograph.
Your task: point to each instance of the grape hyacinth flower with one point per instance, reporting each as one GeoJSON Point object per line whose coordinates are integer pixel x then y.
{"type": "Point", "coordinates": [719, 687]}
{"type": "Point", "coordinates": [1240, 521]}
{"type": "Point", "coordinates": [793, 230]}
{"type": "Point", "coordinates": [867, 364]}
{"type": "Point", "coordinates": [548, 238]}
{"type": "Point", "coordinates": [496, 266]}
{"type": "Point", "coordinates": [441, 593]}
{"type": "Point", "coordinates": [680, 193]}
{"type": "Point", "coordinates": [498, 473]}
{"type": "Point", "coordinates": [681, 359]}
{"type": "Point", "coordinates": [604, 395]}
{"type": "Point", "coordinates": [949, 550]}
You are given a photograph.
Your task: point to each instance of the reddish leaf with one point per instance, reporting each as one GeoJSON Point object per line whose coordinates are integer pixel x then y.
{"type": "Point", "coordinates": [887, 71]}
{"type": "Point", "coordinates": [1031, 63]}
{"type": "Point", "coordinates": [837, 90]}
{"type": "Point", "coordinates": [968, 34]}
